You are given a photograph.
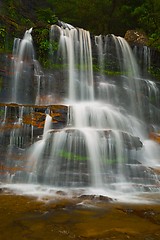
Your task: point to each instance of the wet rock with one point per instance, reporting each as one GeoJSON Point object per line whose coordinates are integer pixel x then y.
{"type": "Point", "coordinates": [106, 199]}
{"type": "Point", "coordinates": [61, 193]}
{"type": "Point", "coordinates": [128, 210]}
{"type": "Point", "coordinates": [4, 190]}
{"type": "Point", "coordinates": [149, 213]}
{"type": "Point", "coordinates": [1, 190]}
{"type": "Point", "coordinates": [96, 198]}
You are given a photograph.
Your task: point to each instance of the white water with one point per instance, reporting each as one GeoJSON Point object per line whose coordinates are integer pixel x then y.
{"type": "Point", "coordinates": [75, 49]}
{"type": "Point", "coordinates": [23, 56]}
{"type": "Point", "coordinates": [97, 148]}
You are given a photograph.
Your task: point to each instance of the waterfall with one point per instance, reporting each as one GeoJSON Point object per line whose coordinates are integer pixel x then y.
{"type": "Point", "coordinates": [23, 70]}
{"type": "Point", "coordinates": [75, 50]}
{"type": "Point", "coordinates": [143, 53]}
{"type": "Point", "coordinates": [95, 137]}
{"type": "Point", "coordinates": [105, 143]}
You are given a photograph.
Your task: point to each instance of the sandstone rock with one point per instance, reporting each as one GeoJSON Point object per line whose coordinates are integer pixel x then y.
{"type": "Point", "coordinates": [136, 37]}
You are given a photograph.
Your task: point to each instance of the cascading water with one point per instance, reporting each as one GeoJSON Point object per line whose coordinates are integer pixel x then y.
{"type": "Point", "coordinates": [23, 70]}
{"type": "Point", "coordinates": [100, 146]}
{"type": "Point", "coordinates": [143, 53]}
{"type": "Point", "coordinates": [75, 50]}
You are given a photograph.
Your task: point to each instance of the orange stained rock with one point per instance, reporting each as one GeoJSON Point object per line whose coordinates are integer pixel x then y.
{"type": "Point", "coordinates": [154, 136]}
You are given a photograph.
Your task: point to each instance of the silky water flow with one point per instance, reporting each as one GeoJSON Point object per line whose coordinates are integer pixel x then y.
{"type": "Point", "coordinates": [105, 144]}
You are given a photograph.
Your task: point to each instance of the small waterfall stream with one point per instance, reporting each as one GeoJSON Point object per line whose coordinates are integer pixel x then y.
{"type": "Point", "coordinates": [23, 69]}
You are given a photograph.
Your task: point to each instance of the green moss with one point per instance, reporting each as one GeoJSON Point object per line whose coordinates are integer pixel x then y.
{"type": "Point", "coordinates": [76, 157]}
{"type": "Point", "coordinates": [72, 156]}
{"type": "Point", "coordinates": [112, 73]}
{"type": "Point", "coordinates": [1, 112]}
{"type": "Point", "coordinates": [106, 71]}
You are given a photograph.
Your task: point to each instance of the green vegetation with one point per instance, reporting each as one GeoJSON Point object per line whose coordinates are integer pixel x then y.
{"type": "Point", "coordinates": [70, 155]}
{"type": "Point", "coordinates": [155, 71]}
{"type": "Point", "coordinates": [1, 112]}
{"type": "Point", "coordinates": [76, 157]}
{"type": "Point", "coordinates": [112, 16]}
{"type": "Point", "coordinates": [46, 16]}
{"type": "Point", "coordinates": [97, 16]}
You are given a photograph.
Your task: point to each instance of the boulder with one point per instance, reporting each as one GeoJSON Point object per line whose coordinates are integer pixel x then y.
{"type": "Point", "coordinates": [136, 37]}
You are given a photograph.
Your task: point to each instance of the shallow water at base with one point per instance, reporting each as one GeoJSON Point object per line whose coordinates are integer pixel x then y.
{"type": "Point", "coordinates": [42, 192]}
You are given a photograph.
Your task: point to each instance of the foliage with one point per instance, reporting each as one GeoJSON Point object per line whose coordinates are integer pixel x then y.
{"type": "Point", "coordinates": [41, 41]}
{"type": "Point", "coordinates": [116, 16]}
{"type": "Point", "coordinates": [97, 16]}
{"type": "Point", "coordinates": [46, 16]}
{"type": "Point", "coordinates": [148, 19]}
{"type": "Point", "coordinates": [155, 71]}
{"type": "Point", "coordinates": [44, 47]}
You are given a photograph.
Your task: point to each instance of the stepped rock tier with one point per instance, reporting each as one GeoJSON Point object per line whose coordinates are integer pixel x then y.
{"type": "Point", "coordinates": [87, 122]}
